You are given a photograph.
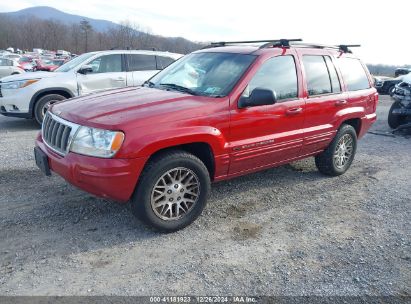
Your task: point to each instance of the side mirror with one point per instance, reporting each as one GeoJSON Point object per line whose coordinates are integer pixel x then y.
{"type": "Point", "coordinates": [258, 97]}
{"type": "Point", "coordinates": [85, 69]}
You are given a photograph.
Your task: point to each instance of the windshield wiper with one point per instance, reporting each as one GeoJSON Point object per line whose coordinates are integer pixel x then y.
{"type": "Point", "coordinates": [179, 88]}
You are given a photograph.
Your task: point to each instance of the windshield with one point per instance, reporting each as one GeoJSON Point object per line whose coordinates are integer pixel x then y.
{"type": "Point", "coordinates": [207, 74]}
{"type": "Point", "coordinates": [74, 62]}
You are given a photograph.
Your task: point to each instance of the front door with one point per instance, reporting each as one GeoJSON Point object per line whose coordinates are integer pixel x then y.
{"type": "Point", "coordinates": [262, 136]}
{"type": "Point", "coordinates": [108, 73]}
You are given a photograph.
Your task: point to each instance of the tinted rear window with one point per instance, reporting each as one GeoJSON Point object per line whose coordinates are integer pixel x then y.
{"type": "Point", "coordinates": [137, 62]}
{"type": "Point", "coordinates": [354, 74]}
{"type": "Point", "coordinates": [318, 79]}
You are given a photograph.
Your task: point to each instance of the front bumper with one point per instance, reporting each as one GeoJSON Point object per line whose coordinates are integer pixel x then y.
{"type": "Point", "coordinates": [16, 104]}
{"type": "Point", "coordinates": [108, 178]}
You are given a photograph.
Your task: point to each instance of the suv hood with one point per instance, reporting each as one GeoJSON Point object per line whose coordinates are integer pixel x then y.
{"type": "Point", "coordinates": [121, 109]}
{"type": "Point", "coordinates": [31, 75]}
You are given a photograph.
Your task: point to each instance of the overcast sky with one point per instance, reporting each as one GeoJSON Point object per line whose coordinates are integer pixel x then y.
{"type": "Point", "coordinates": [381, 29]}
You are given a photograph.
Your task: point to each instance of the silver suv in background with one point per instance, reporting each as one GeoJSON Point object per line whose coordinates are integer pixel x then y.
{"type": "Point", "coordinates": [29, 95]}
{"type": "Point", "coordinates": [9, 67]}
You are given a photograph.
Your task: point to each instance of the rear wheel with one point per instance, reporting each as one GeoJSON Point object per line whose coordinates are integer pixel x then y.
{"type": "Point", "coordinates": [172, 191]}
{"type": "Point", "coordinates": [43, 104]}
{"type": "Point", "coordinates": [337, 158]}
{"type": "Point", "coordinates": [394, 121]}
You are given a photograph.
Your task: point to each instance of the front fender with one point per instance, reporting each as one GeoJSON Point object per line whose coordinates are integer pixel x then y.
{"type": "Point", "coordinates": [137, 145]}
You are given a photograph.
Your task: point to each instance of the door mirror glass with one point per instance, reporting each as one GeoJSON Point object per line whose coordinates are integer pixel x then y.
{"type": "Point", "coordinates": [86, 69]}
{"type": "Point", "coordinates": [258, 97]}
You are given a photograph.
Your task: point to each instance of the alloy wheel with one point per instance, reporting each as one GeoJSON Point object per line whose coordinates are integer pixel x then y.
{"type": "Point", "coordinates": [175, 193]}
{"type": "Point", "coordinates": [343, 151]}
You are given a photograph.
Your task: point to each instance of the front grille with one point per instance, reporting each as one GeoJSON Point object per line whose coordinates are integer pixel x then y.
{"type": "Point", "coordinates": [56, 133]}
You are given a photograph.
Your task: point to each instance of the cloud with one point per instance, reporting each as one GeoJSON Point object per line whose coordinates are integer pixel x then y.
{"type": "Point", "coordinates": [332, 21]}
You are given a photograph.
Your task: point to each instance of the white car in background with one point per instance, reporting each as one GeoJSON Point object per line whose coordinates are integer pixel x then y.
{"type": "Point", "coordinates": [30, 95]}
{"type": "Point", "coordinates": [9, 67]}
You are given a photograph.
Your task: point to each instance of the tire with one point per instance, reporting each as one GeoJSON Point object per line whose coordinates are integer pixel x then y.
{"type": "Point", "coordinates": [42, 103]}
{"type": "Point", "coordinates": [154, 175]}
{"type": "Point", "coordinates": [326, 161]}
{"type": "Point", "coordinates": [394, 121]}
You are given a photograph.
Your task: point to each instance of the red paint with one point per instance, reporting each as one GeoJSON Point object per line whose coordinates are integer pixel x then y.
{"type": "Point", "coordinates": [242, 140]}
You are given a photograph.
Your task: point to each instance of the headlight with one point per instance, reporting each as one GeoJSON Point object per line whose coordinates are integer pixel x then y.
{"type": "Point", "coordinates": [97, 142]}
{"type": "Point", "coordinates": [17, 84]}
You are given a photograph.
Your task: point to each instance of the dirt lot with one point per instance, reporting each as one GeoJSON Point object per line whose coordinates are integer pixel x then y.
{"type": "Point", "coordinates": [284, 231]}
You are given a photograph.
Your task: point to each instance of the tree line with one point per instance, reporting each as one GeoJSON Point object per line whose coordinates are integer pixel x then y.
{"type": "Point", "coordinates": [384, 70]}
{"type": "Point", "coordinates": [32, 32]}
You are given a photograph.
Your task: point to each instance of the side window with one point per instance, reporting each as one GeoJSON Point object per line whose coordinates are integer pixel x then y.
{"type": "Point", "coordinates": [5, 62]}
{"type": "Point", "coordinates": [316, 72]}
{"type": "Point", "coordinates": [335, 82]}
{"type": "Point", "coordinates": [277, 74]}
{"type": "Point", "coordinates": [107, 64]}
{"type": "Point", "coordinates": [163, 62]}
{"type": "Point", "coordinates": [354, 74]}
{"type": "Point", "coordinates": [137, 62]}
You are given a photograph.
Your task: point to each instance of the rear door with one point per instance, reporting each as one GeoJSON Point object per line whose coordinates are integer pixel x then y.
{"type": "Point", "coordinates": [358, 83]}
{"type": "Point", "coordinates": [140, 67]}
{"type": "Point", "coordinates": [262, 136]}
{"type": "Point", "coordinates": [324, 97]}
{"type": "Point", "coordinates": [108, 73]}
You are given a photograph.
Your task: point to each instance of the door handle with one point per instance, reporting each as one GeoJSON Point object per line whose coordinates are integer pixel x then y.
{"type": "Point", "coordinates": [340, 102]}
{"type": "Point", "coordinates": [294, 111]}
{"type": "Point", "coordinates": [120, 79]}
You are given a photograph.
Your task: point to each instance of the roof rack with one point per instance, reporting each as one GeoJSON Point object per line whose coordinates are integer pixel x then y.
{"type": "Point", "coordinates": [285, 43]}
{"type": "Point", "coordinates": [267, 43]}
{"type": "Point", "coordinates": [341, 47]}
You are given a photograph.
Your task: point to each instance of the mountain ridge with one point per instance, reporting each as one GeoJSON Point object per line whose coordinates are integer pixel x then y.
{"type": "Point", "coordinates": [47, 12]}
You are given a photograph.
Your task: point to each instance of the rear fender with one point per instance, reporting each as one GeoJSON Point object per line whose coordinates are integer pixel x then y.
{"type": "Point", "coordinates": [348, 113]}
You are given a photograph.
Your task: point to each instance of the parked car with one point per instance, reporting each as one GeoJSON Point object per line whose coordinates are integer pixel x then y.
{"type": "Point", "coordinates": [45, 65]}
{"type": "Point", "coordinates": [402, 71]}
{"type": "Point", "coordinates": [27, 63]}
{"type": "Point", "coordinates": [215, 114]}
{"type": "Point", "coordinates": [12, 56]}
{"type": "Point", "coordinates": [30, 95]}
{"type": "Point", "coordinates": [387, 86]}
{"type": "Point", "coordinates": [400, 111]}
{"type": "Point", "coordinates": [9, 67]}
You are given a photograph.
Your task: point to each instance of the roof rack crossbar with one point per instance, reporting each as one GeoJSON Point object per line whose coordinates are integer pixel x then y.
{"type": "Point", "coordinates": [345, 47]}
{"type": "Point", "coordinates": [267, 42]}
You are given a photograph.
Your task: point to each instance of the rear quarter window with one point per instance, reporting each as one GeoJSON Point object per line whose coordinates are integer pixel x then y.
{"type": "Point", "coordinates": [139, 62]}
{"type": "Point", "coordinates": [163, 62]}
{"type": "Point", "coordinates": [354, 74]}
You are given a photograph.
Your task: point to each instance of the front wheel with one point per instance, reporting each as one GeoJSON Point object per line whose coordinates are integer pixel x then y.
{"type": "Point", "coordinates": [43, 104]}
{"type": "Point", "coordinates": [172, 191]}
{"type": "Point", "coordinates": [338, 156]}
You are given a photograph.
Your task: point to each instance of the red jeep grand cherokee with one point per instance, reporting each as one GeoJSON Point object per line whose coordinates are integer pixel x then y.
{"type": "Point", "coordinates": [224, 111]}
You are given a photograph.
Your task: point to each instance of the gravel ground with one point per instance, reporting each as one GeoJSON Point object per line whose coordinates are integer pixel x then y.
{"type": "Point", "coordinates": [284, 231]}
